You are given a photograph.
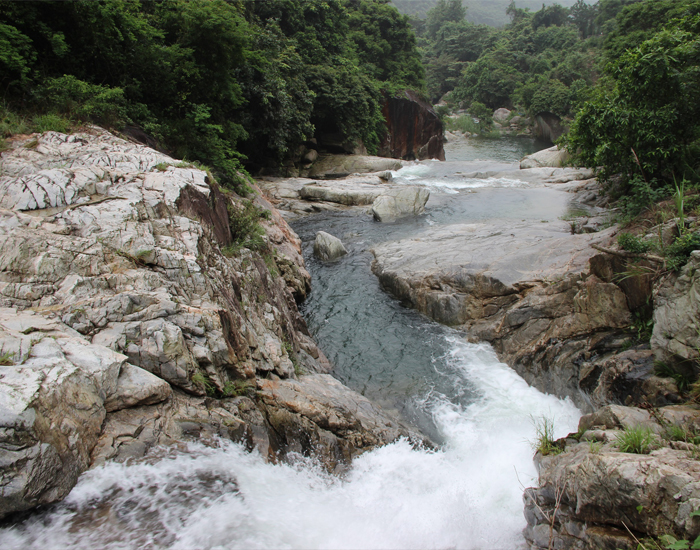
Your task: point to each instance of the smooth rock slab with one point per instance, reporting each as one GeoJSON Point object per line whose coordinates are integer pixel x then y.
{"type": "Point", "coordinates": [327, 247]}
{"type": "Point", "coordinates": [547, 158]}
{"type": "Point", "coordinates": [399, 203]}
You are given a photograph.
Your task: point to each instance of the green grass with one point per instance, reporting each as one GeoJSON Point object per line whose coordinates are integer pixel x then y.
{"type": "Point", "coordinates": [544, 443]}
{"type": "Point", "coordinates": [638, 440]}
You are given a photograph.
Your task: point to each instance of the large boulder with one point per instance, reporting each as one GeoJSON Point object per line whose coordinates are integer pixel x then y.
{"type": "Point", "coordinates": [344, 165]}
{"type": "Point", "coordinates": [501, 115]}
{"type": "Point", "coordinates": [592, 496]}
{"type": "Point", "coordinates": [399, 203]}
{"type": "Point", "coordinates": [547, 158]}
{"type": "Point", "coordinates": [327, 247]}
{"type": "Point", "coordinates": [414, 130]}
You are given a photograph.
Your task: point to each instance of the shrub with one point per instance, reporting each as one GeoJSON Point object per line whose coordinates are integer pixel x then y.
{"type": "Point", "coordinates": [632, 243]}
{"type": "Point", "coordinates": [677, 254]}
{"type": "Point", "coordinates": [638, 440]}
{"type": "Point", "coordinates": [51, 123]}
{"type": "Point", "coordinates": [246, 230]}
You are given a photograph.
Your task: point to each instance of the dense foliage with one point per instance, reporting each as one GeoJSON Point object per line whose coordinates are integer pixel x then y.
{"type": "Point", "coordinates": [212, 80]}
{"type": "Point", "coordinates": [642, 121]}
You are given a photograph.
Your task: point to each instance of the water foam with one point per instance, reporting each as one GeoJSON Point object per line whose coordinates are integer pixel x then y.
{"type": "Point", "coordinates": [420, 174]}
{"type": "Point", "coordinates": [466, 495]}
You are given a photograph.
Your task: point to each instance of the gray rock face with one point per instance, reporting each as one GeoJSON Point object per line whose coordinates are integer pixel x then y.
{"type": "Point", "coordinates": [551, 158]}
{"type": "Point", "coordinates": [343, 165]}
{"type": "Point", "coordinates": [501, 115]}
{"type": "Point", "coordinates": [399, 203]}
{"type": "Point", "coordinates": [55, 391]}
{"type": "Point", "coordinates": [144, 330]}
{"type": "Point", "coordinates": [327, 247]}
{"type": "Point", "coordinates": [529, 292]}
{"type": "Point", "coordinates": [676, 336]}
{"type": "Point", "coordinates": [604, 492]}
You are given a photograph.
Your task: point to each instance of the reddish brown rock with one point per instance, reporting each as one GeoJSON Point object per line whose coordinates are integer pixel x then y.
{"type": "Point", "coordinates": [414, 129]}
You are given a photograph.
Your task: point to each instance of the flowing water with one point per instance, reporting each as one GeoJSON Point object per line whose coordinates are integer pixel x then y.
{"type": "Point", "coordinates": [467, 494]}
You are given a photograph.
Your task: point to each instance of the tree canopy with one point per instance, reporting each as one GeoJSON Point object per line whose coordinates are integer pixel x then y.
{"type": "Point", "coordinates": [222, 82]}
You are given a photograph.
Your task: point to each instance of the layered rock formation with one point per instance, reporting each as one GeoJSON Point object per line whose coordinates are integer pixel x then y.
{"type": "Point", "coordinates": [134, 318]}
{"type": "Point", "coordinates": [592, 496]}
{"type": "Point", "coordinates": [414, 130]}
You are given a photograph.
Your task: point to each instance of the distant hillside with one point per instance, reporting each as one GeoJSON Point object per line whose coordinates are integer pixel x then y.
{"type": "Point", "coordinates": [488, 12]}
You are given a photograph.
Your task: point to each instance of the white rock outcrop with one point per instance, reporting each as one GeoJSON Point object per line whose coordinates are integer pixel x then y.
{"type": "Point", "coordinates": [547, 158]}
{"type": "Point", "coordinates": [327, 247]}
{"type": "Point", "coordinates": [399, 203]}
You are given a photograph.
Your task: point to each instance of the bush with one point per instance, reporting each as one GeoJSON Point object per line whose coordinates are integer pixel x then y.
{"type": "Point", "coordinates": [246, 230]}
{"type": "Point", "coordinates": [638, 440]}
{"type": "Point", "coordinates": [633, 243]}
{"type": "Point", "coordinates": [52, 123]}
{"type": "Point", "coordinates": [677, 254]}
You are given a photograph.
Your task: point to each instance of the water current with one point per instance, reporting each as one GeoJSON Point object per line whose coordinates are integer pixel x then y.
{"type": "Point", "coordinates": [467, 494]}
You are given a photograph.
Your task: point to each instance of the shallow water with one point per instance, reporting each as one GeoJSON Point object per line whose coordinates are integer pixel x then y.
{"type": "Point", "coordinates": [468, 494]}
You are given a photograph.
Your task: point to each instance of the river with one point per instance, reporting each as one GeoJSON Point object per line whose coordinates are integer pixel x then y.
{"type": "Point", "coordinates": [467, 494]}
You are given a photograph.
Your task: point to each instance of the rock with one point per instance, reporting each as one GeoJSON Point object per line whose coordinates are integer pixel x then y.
{"type": "Point", "coordinates": [618, 417]}
{"type": "Point", "coordinates": [145, 329]}
{"type": "Point", "coordinates": [407, 201]}
{"type": "Point", "coordinates": [548, 126]}
{"type": "Point", "coordinates": [530, 293]}
{"type": "Point", "coordinates": [311, 156]}
{"type": "Point", "coordinates": [334, 419]}
{"type": "Point", "coordinates": [676, 335]}
{"type": "Point", "coordinates": [343, 165]}
{"type": "Point", "coordinates": [501, 115]}
{"type": "Point", "coordinates": [414, 130]}
{"type": "Point", "coordinates": [53, 388]}
{"type": "Point", "coordinates": [327, 247]}
{"type": "Point", "coordinates": [547, 158]}
{"type": "Point", "coordinates": [137, 387]}
{"type": "Point", "coordinates": [604, 492]}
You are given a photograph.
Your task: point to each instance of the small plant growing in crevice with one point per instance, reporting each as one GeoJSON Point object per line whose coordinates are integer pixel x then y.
{"type": "Point", "coordinates": [6, 359]}
{"type": "Point", "coordinates": [293, 358]}
{"type": "Point", "coordinates": [244, 222]}
{"type": "Point", "coordinates": [544, 443]}
{"type": "Point", "coordinates": [237, 388]}
{"type": "Point", "coordinates": [162, 166]}
{"type": "Point", "coordinates": [203, 382]}
{"type": "Point", "coordinates": [664, 370]}
{"type": "Point", "coordinates": [638, 440]}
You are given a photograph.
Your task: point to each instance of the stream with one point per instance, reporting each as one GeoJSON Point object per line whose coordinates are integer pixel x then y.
{"type": "Point", "coordinates": [467, 494]}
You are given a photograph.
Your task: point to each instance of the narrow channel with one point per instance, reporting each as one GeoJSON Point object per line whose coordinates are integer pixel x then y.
{"type": "Point", "coordinates": [467, 494]}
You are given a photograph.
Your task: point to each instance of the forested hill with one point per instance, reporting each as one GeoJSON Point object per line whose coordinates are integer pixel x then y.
{"type": "Point", "coordinates": [486, 12]}
{"type": "Point", "coordinates": [220, 82]}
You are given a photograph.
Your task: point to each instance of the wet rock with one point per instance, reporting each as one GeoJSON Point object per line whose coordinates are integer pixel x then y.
{"type": "Point", "coordinates": [317, 415]}
{"type": "Point", "coordinates": [399, 203]}
{"type": "Point", "coordinates": [327, 247]}
{"type": "Point", "coordinates": [547, 158]}
{"type": "Point", "coordinates": [414, 130]}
